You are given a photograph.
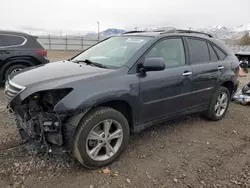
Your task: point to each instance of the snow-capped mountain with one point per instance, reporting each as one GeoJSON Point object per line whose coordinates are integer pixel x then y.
{"type": "Point", "coordinates": [105, 33]}
{"type": "Point", "coordinates": [218, 31]}
{"type": "Point", "coordinates": [224, 32]}
{"type": "Point", "coordinates": [112, 31]}
{"type": "Point", "coordinates": [242, 28]}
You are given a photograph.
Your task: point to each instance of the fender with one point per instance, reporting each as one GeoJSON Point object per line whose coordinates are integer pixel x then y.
{"type": "Point", "coordinates": [70, 103]}
{"type": "Point", "coordinates": [71, 125]}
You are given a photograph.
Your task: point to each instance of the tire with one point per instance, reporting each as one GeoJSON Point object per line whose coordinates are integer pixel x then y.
{"type": "Point", "coordinates": [210, 113]}
{"type": "Point", "coordinates": [88, 124]}
{"type": "Point", "coordinates": [10, 69]}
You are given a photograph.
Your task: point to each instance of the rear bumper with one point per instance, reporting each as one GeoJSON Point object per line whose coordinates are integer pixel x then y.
{"type": "Point", "coordinates": [44, 60]}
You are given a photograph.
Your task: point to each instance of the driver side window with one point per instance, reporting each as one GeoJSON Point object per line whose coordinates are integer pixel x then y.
{"type": "Point", "coordinates": [171, 50]}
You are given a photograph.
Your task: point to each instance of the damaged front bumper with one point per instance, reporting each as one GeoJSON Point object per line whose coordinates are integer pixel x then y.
{"type": "Point", "coordinates": [38, 125]}
{"type": "Point", "coordinates": [46, 132]}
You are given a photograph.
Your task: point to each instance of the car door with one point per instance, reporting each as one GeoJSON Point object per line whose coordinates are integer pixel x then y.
{"type": "Point", "coordinates": [206, 69]}
{"type": "Point", "coordinates": [5, 51]}
{"type": "Point", "coordinates": [165, 93]}
{"type": "Point", "coordinates": [1, 51]}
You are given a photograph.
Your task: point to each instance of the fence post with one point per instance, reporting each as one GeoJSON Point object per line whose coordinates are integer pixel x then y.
{"type": "Point", "coordinates": [82, 42]}
{"type": "Point", "coordinates": [66, 43]}
{"type": "Point", "coordinates": [49, 43]}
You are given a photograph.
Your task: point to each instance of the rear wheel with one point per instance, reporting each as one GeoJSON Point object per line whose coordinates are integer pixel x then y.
{"type": "Point", "coordinates": [101, 137]}
{"type": "Point", "coordinates": [13, 69]}
{"type": "Point", "coordinates": [219, 104]}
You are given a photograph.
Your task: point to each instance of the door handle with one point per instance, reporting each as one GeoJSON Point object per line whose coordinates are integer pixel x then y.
{"type": "Point", "coordinates": [220, 67]}
{"type": "Point", "coordinates": [186, 73]}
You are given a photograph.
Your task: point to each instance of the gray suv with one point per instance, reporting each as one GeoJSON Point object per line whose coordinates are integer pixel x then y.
{"type": "Point", "coordinates": [89, 104]}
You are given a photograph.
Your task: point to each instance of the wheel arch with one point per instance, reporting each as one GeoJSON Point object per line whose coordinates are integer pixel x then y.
{"type": "Point", "coordinates": [120, 105]}
{"type": "Point", "coordinates": [229, 85]}
{"type": "Point", "coordinates": [16, 61]}
{"type": "Point", "coordinates": [123, 107]}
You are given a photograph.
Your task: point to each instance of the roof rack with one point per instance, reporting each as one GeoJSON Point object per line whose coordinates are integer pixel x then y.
{"type": "Point", "coordinates": [128, 32]}
{"type": "Point", "coordinates": [172, 30]}
{"type": "Point", "coordinates": [187, 31]}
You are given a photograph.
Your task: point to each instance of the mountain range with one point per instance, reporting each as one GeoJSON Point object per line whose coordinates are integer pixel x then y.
{"type": "Point", "coordinates": [224, 32]}
{"type": "Point", "coordinates": [219, 31]}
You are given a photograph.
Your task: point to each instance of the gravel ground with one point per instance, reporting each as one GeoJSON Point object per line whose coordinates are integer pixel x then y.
{"type": "Point", "coordinates": [185, 152]}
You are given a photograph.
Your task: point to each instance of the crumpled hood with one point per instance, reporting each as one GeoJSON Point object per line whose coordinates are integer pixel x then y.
{"type": "Point", "coordinates": [59, 72]}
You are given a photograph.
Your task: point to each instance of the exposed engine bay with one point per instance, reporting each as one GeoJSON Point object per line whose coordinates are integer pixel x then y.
{"type": "Point", "coordinates": [38, 123]}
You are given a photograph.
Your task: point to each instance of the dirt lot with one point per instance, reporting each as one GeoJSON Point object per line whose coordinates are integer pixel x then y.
{"type": "Point", "coordinates": [186, 152]}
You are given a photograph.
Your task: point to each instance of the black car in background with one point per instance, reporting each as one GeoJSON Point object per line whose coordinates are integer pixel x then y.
{"type": "Point", "coordinates": [244, 55]}
{"type": "Point", "coordinates": [89, 104]}
{"type": "Point", "coordinates": [19, 50]}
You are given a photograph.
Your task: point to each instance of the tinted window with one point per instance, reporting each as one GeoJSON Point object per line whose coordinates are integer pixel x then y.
{"type": "Point", "coordinates": [1, 43]}
{"type": "Point", "coordinates": [221, 54]}
{"type": "Point", "coordinates": [213, 55]}
{"type": "Point", "coordinates": [171, 50]}
{"type": "Point", "coordinates": [198, 51]}
{"type": "Point", "coordinates": [9, 40]}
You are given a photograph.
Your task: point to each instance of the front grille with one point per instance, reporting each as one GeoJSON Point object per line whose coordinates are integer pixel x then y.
{"type": "Point", "coordinates": [12, 90]}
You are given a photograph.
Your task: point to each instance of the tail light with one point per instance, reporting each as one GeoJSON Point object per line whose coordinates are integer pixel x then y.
{"type": "Point", "coordinates": [42, 52]}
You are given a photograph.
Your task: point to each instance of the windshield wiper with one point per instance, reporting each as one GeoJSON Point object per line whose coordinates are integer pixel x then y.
{"type": "Point", "coordinates": [88, 62]}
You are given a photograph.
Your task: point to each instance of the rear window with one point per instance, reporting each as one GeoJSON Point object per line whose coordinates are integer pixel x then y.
{"type": "Point", "coordinates": [220, 54]}
{"type": "Point", "coordinates": [11, 40]}
{"type": "Point", "coordinates": [198, 50]}
{"type": "Point", "coordinates": [213, 55]}
{"type": "Point", "coordinates": [38, 42]}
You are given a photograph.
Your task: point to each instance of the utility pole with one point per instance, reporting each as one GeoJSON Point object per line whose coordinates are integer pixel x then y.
{"type": "Point", "coordinates": [98, 31]}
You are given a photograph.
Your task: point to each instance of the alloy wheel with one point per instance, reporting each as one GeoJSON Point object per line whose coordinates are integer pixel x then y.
{"type": "Point", "coordinates": [15, 70]}
{"type": "Point", "coordinates": [104, 140]}
{"type": "Point", "coordinates": [221, 104]}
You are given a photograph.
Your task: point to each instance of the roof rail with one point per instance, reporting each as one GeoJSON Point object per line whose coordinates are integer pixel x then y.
{"type": "Point", "coordinates": [188, 31]}
{"type": "Point", "coordinates": [127, 32]}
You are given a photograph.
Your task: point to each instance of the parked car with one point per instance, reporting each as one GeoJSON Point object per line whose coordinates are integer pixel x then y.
{"type": "Point", "coordinates": [18, 51]}
{"type": "Point", "coordinates": [244, 55]}
{"type": "Point", "coordinates": [89, 104]}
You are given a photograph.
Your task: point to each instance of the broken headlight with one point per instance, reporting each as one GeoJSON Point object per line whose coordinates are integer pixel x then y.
{"type": "Point", "coordinates": [52, 97]}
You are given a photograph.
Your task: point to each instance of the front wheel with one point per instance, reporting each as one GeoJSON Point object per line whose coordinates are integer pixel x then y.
{"type": "Point", "coordinates": [101, 137]}
{"type": "Point", "coordinates": [219, 104]}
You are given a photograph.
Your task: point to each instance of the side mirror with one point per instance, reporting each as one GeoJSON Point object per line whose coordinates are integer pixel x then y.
{"type": "Point", "coordinates": [153, 64]}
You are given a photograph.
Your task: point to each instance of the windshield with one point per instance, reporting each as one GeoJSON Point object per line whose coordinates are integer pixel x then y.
{"type": "Point", "coordinates": [113, 52]}
{"type": "Point", "coordinates": [247, 49]}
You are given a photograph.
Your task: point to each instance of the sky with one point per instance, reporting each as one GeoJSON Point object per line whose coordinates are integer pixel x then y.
{"type": "Point", "coordinates": [124, 14]}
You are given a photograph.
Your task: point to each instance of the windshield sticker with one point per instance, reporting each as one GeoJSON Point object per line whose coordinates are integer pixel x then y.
{"type": "Point", "coordinates": [135, 40]}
